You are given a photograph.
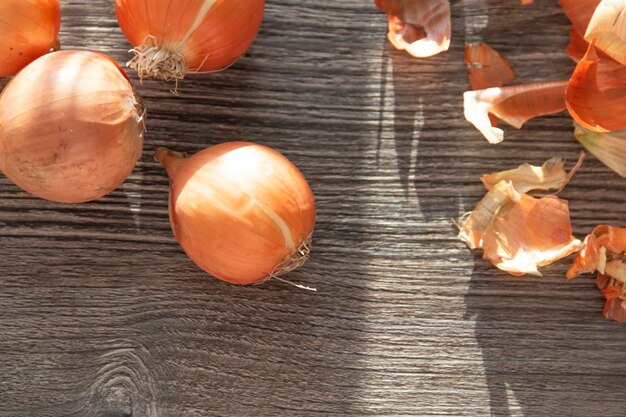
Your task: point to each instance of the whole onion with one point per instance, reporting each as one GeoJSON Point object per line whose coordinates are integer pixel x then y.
{"type": "Point", "coordinates": [242, 212]}
{"type": "Point", "coordinates": [71, 127]}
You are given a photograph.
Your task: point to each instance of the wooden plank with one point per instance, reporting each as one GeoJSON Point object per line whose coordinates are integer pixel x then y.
{"type": "Point", "coordinates": [103, 315]}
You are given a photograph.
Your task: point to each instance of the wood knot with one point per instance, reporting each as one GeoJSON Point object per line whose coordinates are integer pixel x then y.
{"type": "Point", "coordinates": [124, 386]}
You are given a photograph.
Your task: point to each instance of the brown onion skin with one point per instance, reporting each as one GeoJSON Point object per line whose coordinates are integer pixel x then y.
{"type": "Point", "coordinates": [28, 30]}
{"type": "Point", "coordinates": [215, 209]}
{"type": "Point", "coordinates": [71, 127]}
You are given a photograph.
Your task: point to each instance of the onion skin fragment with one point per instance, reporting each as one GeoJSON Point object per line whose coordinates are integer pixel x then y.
{"type": "Point", "coordinates": [550, 176]}
{"type": "Point", "coordinates": [596, 93]}
{"type": "Point", "coordinates": [514, 105]}
{"type": "Point", "coordinates": [172, 38]}
{"type": "Point", "coordinates": [608, 147]}
{"type": "Point", "coordinates": [242, 212]}
{"type": "Point", "coordinates": [486, 67]}
{"type": "Point", "coordinates": [533, 233]}
{"type": "Point", "coordinates": [579, 13]}
{"type": "Point", "coordinates": [517, 232]}
{"type": "Point", "coordinates": [28, 30]}
{"type": "Point", "coordinates": [421, 27]}
{"type": "Point", "coordinates": [604, 251]}
{"type": "Point", "coordinates": [607, 29]}
{"type": "Point", "coordinates": [577, 46]}
{"type": "Point", "coordinates": [72, 127]}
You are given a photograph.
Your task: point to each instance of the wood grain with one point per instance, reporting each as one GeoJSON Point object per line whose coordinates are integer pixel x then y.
{"type": "Point", "coordinates": [101, 313]}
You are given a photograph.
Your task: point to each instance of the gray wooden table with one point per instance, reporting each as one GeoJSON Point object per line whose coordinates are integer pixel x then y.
{"type": "Point", "coordinates": [102, 314]}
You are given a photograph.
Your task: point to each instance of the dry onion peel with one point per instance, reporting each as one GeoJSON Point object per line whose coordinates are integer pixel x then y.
{"type": "Point", "coordinates": [605, 251]}
{"type": "Point", "coordinates": [596, 93]}
{"type": "Point", "coordinates": [486, 67]}
{"type": "Point", "coordinates": [607, 29]}
{"type": "Point", "coordinates": [525, 178]}
{"type": "Point", "coordinates": [519, 233]}
{"type": "Point", "coordinates": [242, 212]}
{"type": "Point", "coordinates": [533, 233]}
{"type": "Point", "coordinates": [72, 127]}
{"type": "Point", "coordinates": [579, 13]}
{"type": "Point", "coordinates": [609, 147]}
{"type": "Point", "coordinates": [614, 291]}
{"type": "Point", "coordinates": [577, 46]}
{"type": "Point", "coordinates": [513, 105]}
{"type": "Point", "coordinates": [421, 27]}
{"type": "Point", "coordinates": [172, 38]}
{"type": "Point", "coordinates": [28, 30]}
{"type": "Point", "coordinates": [474, 225]}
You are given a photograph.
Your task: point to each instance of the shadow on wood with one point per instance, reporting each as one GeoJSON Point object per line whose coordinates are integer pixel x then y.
{"type": "Point", "coordinates": [544, 358]}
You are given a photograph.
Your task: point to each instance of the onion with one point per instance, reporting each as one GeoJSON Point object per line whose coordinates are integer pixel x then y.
{"type": "Point", "coordinates": [28, 29]}
{"type": "Point", "coordinates": [71, 127]}
{"type": "Point", "coordinates": [173, 37]}
{"type": "Point", "coordinates": [242, 212]}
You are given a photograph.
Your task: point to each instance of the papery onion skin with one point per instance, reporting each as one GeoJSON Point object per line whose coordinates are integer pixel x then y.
{"type": "Point", "coordinates": [486, 67]}
{"type": "Point", "coordinates": [421, 27]}
{"type": "Point", "coordinates": [174, 37]}
{"type": "Point", "coordinates": [519, 233]}
{"type": "Point", "coordinates": [579, 13]}
{"type": "Point", "coordinates": [608, 147]}
{"type": "Point", "coordinates": [596, 93]}
{"type": "Point", "coordinates": [607, 29]}
{"type": "Point", "coordinates": [604, 251]}
{"type": "Point", "coordinates": [241, 211]}
{"type": "Point", "coordinates": [28, 30]}
{"type": "Point", "coordinates": [71, 127]}
{"type": "Point", "coordinates": [513, 104]}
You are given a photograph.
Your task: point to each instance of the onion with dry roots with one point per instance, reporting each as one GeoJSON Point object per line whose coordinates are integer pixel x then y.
{"type": "Point", "coordinates": [174, 37]}
{"type": "Point", "coordinates": [71, 127]}
{"type": "Point", "coordinates": [242, 212]}
{"type": "Point", "coordinates": [28, 30]}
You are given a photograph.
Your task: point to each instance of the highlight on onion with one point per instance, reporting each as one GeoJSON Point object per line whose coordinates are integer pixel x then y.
{"type": "Point", "coordinates": [71, 127]}
{"type": "Point", "coordinates": [28, 30]}
{"type": "Point", "coordinates": [242, 212]}
{"type": "Point", "coordinates": [174, 37]}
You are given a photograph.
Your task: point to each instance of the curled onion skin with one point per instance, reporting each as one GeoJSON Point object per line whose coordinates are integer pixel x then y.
{"type": "Point", "coordinates": [174, 37]}
{"type": "Point", "coordinates": [71, 127]}
{"type": "Point", "coordinates": [242, 212]}
{"type": "Point", "coordinates": [28, 30]}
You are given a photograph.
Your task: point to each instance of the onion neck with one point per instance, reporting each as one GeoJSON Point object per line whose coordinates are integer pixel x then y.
{"type": "Point", "coordinates": [171, 160]}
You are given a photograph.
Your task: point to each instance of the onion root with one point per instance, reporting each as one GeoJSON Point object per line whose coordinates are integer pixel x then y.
{"type": "Point", "coordinates": [294, 261]}
{"type": "Point", "coordinates": [151, 60]}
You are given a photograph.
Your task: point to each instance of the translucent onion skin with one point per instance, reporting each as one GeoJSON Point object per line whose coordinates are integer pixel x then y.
{"type": "Point", "coordinates": [242, 212]}
{"type": "Point", "coordinates": [71, 127]}
{"type": "Point", "coordinates": [28, 30]}
{"type": "Point", "coordinates": [173, 37]}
